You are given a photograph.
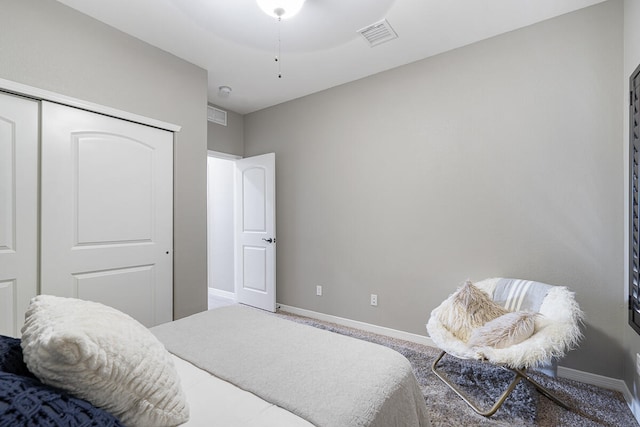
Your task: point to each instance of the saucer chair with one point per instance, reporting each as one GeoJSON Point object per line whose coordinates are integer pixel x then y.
{"type": "Point", "coordinates": [514, 324]}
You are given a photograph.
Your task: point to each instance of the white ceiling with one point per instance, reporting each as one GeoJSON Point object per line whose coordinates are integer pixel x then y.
{"type": "Point", "coordinates": [320, 47]}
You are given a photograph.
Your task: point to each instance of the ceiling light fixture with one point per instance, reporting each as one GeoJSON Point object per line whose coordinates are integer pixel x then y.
{"type": "Point", "coordinates": [224, 91]}
{"type": "Point", "coordinates": [280, 9]}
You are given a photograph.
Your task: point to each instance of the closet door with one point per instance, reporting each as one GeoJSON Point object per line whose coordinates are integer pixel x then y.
{"type": "Point", "coordinates": [18, 209]}
{"type": "Point", "coordinates": [107, 215]}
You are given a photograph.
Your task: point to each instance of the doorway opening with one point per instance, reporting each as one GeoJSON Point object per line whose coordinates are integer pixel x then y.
{"type": "Point", "coordinates": [220, 229]}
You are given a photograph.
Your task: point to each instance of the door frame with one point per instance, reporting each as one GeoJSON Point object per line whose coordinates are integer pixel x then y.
{"type": "Point", "coordinates": [45, 95]}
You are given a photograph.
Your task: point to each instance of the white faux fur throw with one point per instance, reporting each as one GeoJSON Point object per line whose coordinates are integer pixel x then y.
{"type": "Point", "coordinates": [557, 330]}
{"type": "Point", "coordinates": [328, 379]}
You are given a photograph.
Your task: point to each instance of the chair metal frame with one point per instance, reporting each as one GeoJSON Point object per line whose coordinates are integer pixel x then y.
{"type": "Point", "coordinates": [519, 374]}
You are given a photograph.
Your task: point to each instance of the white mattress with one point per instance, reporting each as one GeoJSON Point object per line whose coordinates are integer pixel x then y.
{"type": "Point", "coordinates": [213, 401]}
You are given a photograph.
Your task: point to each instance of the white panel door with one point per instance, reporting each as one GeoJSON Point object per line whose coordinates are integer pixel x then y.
{"type": "Point", "coordinates": [255, 213]}
{"type": "Point", "coordinates": [107, 200]}
{"type": "Point", "coordinates": [18, 209]}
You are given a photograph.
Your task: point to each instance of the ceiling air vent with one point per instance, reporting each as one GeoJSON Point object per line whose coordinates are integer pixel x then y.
{"type": "Point", "coordinates": [217, 115]}
{"type": "Point", "coordinates": [378, 33]}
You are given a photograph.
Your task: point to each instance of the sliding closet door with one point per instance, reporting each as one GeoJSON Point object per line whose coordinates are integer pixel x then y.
{"type": "Point", "coordinates": [107, 212]}
{"type": "Point", "coordinates": [18, 209]}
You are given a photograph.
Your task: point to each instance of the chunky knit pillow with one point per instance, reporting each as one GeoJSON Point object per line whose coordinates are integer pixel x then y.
{"type": "Point", "coordinates": [504, 331]}
{"type": "Point", "coordinates": [25, 401]}
{"type": "Point", "coordinates": [466, 309]}
{"type": "Point", "coordinates": [104, 356]}
{"type": "Point", "coordinates": [11, 357]}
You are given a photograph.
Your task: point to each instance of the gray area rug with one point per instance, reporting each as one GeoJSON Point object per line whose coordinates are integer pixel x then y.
{"type": "Point", "coordinates": [593, 406]}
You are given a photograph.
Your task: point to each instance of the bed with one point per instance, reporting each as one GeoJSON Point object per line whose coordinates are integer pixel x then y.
{"type": "Point", "coordinates": [232, 366]}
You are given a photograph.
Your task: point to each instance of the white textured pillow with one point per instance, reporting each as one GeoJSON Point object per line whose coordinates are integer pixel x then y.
{"type": "Point", "coordinates": [466, 309]}
{"type": "Point", "coordinates": [104, 356]}
{"type": "Point", "coordinates": [505, 331]}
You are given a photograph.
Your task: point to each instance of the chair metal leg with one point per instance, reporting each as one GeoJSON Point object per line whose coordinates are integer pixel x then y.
{"type": "Point", "coordinates": [519, 374]}
{"type": "Point", "coordinates": [474, 406]}
{"type": "Point", "coordinates": [542, 389]}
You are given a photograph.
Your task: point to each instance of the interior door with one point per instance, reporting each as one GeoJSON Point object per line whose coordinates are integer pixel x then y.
{"type": "Point", "coordinates": [107, 200]}
{"type": "Point", "coordinates": [255, 223]}
{"type": "Point", "coordinates": [18, 209]}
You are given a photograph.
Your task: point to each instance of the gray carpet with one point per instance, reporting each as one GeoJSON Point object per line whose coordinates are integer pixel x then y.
{"type": "Point", "coordinates": [593, 406]}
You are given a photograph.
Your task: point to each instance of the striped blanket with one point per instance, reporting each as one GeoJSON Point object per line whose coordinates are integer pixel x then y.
{"type": "Point", "coordinates": [517, 295]}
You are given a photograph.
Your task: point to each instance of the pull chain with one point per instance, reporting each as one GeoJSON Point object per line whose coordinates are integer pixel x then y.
{"type": "Point", "coordinates": [278, 59]}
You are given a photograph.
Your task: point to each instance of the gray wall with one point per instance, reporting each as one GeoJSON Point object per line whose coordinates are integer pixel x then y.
{"type": "Point", "coordinates": [631, 61]}
{"type": "Point", "coordinates": [50, 46]}
{"type": "Point", "coordinates": [227, 139]}
{"type": "Point", "coordinates": [502, 158]}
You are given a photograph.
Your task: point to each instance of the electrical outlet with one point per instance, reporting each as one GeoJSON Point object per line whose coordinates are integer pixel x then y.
{"type": "Point", "coordinates": [374, 300]}
{"type": "Point", "coordinates": [319, 290]}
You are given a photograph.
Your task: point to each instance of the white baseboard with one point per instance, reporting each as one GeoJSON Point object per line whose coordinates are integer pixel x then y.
{"type": "Point", "coordinates": [572, 374]}
{"type": "Point", "coordinates": [220, 293]}
{"type": "Point", "coordinates": [595, 379]}
{"type": "Point", "coordinates": [634, 404]}
{"type": "Point", "coordinates": [604, 382]}
{"type": "Point", "coordinates": [393, 333]}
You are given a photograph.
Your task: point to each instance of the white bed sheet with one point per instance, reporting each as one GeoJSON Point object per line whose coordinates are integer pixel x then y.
{"type": "Point", "coordinates": [213, 401]}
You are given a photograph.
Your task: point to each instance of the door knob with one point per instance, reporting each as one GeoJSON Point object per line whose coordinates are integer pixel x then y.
{"type": "Point", "coordinates": [269, 240]}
